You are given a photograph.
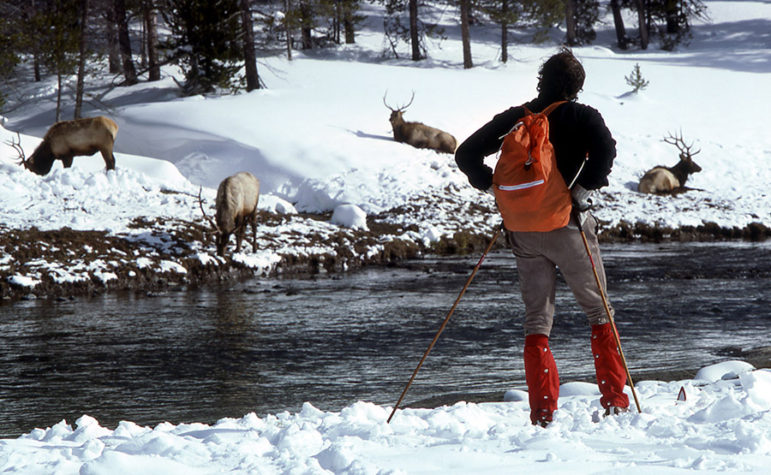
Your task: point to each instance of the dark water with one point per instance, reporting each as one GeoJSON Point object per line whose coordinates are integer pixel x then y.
{"type": "Point", "coordinates": [267, 346]}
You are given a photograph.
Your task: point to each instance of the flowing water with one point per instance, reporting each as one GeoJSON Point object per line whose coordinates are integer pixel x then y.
{"type": "Point", "coordinates": [267, 346]}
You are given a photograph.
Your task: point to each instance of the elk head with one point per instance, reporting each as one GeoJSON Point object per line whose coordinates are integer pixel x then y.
{"type": "Point", "coordinates": [686, 164]}
{"type": "Point", "coordinates": [396, 114]}
{"type": "Point", "coordinates": [217, 230]}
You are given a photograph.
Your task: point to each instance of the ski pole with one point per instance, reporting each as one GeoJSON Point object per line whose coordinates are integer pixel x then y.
{"type": "Point", "coordinates": [444, 323]}
{"type": "Point", "coordinates": [607, 310]}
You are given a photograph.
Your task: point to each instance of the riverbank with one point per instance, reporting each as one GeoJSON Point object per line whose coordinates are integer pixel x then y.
{"type": "Point", "coordinates": [159, 254]}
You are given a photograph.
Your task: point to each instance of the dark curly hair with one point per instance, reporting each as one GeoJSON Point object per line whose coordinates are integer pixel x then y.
{"type": "Point", "coordinates": [561, 77]}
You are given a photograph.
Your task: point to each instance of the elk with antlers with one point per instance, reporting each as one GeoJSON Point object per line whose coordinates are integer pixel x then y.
{"type": "Point", "coordinates": [70, 138]}
{"type": "Point", "coordinates": [236, 204]}
{"type": "Point", "coordinates": [417, 134]}
{"type": "Point", "coordinates": [663, 179]}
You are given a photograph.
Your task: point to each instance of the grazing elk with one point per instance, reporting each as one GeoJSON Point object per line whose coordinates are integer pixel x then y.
{"type": "Point", "coordinates": [69, 138]}
{"type": "Point", "coordinates": [417, 134]}
{"type": "Point", "coordinates": [236, 203]}
{"type": "Point", "coordinates": [663, 179]}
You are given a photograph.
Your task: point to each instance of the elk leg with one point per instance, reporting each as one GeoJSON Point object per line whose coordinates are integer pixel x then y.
{"type": "Point", "coordinates": [240, 225]}
{"type": "Point", "coordinates": [254, 230]}
{"type": "Point", "coordinates": [222, 242]}
{"type": "Point", "coordinates": [67, 161]}
{"type": "Point", "coordinates": [109, 158]}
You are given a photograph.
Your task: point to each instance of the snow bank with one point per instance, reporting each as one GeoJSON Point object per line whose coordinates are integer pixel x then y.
{"type": "Point", "coordinates": [350, 216]}
{"type": "Point", "coordinates": [722, 426]}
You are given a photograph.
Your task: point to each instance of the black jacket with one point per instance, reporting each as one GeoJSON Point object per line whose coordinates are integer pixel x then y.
{"type": "Point", "coordinates": [574, 130]}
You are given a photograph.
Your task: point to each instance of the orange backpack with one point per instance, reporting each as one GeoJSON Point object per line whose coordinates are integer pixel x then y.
{"type": "Point", "coordinates": [529, 189]}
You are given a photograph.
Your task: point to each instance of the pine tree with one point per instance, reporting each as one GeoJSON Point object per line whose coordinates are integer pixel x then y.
{"type": "Point", "coordinates": [9, 42]}
{"type": "Point", "coordinates": [59, 42]}
{"type": "Point", "coordinates": [205, 42]}
{"type": "Point", "coordinates": [580, 17]}
{"type": "Point", "coordinates": [670, 20]}
{"type": "Point", "coordinates": [636, 80]}
{"type": "Point", "coordinates": [415, 30]}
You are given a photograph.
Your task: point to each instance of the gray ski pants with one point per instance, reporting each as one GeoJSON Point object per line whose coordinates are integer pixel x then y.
{"type": "Point", "coordinates": [539, 254]}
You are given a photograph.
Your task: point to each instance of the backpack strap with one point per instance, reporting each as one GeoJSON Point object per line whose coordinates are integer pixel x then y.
{"type": "Point", "coordinates": [546, 111]}
{"type": "Point", "coordinates": [528, 112]}
{"type": "Point", "coordinates": [551, 107]}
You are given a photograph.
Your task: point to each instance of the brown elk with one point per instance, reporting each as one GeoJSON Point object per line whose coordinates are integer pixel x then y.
{"type": "Point", "coordinates": [70, 138]}
{"type": "Point", "coordinates": [417, 134]}
{"type": "Point", "coordinates": [663, 179]}
{"type": "Point", "coordinates": [236, 203]}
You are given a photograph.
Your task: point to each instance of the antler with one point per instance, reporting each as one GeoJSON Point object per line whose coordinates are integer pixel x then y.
{"type": "Point", "coordinates": [677, 141]}
{"type": "Point", "coordinates": [399, 109]}
{"type": "Point", "coordinates": [16, 145]}
{"type": "Point", "coordinates": [211, 221]}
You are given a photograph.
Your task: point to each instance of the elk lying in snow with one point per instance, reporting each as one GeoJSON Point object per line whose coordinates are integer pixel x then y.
{"type": "Point", "coordinates": [417, 134]}
{"type": "Point", "coordinates": [237, 198]}
{"type": "Point", "coordinates": [663, 179]}
{"type": "Point", "coordinates": [69, 138]}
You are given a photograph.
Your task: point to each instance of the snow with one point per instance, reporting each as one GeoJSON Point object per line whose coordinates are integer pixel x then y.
{"type": "Point", "coordinates": [718, 371]}
{"type": "Point", "coordinates": [722, 426]}
{"type": "Point", "coordinates": [319, 141]}
{"type": "Point", "coordinates": [350, 216]}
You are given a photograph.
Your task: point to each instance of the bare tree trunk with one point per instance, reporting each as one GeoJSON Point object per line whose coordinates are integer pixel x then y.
{"type": "Point", "coordinates": [643, 24]}
{"type": "Point", "coordinates": [618, 22]}
{"type": "Point", "coordinates": [288, 28]}
{"type": "Point", "coordinates": [504, 31]}
{"type": "Point", "coordinates": [35, 49]}
{"type": "Point", "coordinates": [414, 34]}
{"type": "Point", "coordinates": [306, 24]}
{"type": "Point", "coordinates": [670, 13]}
{"type": "Point", "coordinates": [348, 24]}
{"type": "Point", "coordinates": [570, 21]}
{"type": "Point", "coordinates": [465, 7]}
{"type": "Point", "coordinates": [113, 52]}
{"type": "Point", "coordinates": [337, 21]}
{"type": "Point", "coordinates": [81, 59]}
{"type": "Point", "coordinates": [124, 42]}
{"type": "Point", "coordinates": [151, 26]}
{"type": "Point", "coordinates": [250, 57]}
{"type": "Point", "coordinates": [143, 41]}
{"type": "Point", "coordinates": [36, 67]}
{"type": "Point", "coordinates": [58, 95]}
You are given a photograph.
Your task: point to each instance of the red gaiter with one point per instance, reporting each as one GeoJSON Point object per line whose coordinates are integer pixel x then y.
{"type": "Point", "coordinates": [543, 384]}
{"type": "Point", "coordinates": [609, 367]}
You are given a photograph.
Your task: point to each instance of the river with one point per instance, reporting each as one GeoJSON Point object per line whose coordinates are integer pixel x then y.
{"type": "Point", "coordinates": [268, 345]}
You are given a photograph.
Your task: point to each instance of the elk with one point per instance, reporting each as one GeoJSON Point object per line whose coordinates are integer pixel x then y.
{"type": "Point", "coordinates": [417, 134]}
{"type": "Point", "coordinates": [663, 179]}
{"type": "Point", "coordinates": [236, 204]}
{"type": "Point", "coordinates": [70, 138]}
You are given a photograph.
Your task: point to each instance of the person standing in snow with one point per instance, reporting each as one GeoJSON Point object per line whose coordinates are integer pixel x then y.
{"type": "Point", "coordinates": [584, 150]}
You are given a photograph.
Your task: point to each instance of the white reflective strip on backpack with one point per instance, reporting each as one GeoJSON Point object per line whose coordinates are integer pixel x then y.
{"type": "Point", "coordinates": [516, 127]}
{"type": "Point", "coordinates": [521, 186]}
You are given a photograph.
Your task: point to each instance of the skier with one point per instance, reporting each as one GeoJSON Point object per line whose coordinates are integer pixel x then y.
{"type": "Point", "coordinates": [584, 151]}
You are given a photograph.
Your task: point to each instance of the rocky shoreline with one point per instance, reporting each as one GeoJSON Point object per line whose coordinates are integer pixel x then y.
{"type": "Point", "coordinates": [175, 253]}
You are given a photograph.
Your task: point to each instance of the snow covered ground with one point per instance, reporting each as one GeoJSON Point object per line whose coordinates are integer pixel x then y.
{"type": "Point", "coordinates": [723, 425]}
{"type": "Point", "coordinates": [319, 140]}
